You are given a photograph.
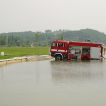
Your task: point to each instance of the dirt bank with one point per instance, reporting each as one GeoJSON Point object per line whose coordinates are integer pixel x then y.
{"type": "Point", "coordinates": [24, 59]}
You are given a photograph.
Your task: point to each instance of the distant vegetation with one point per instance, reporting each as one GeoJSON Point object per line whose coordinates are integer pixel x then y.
{"type": "Point", "coordinates": [32, 39]}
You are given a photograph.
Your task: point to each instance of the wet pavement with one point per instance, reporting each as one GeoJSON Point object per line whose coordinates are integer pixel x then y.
{"type": "Point", "coordinates": [50, 83]}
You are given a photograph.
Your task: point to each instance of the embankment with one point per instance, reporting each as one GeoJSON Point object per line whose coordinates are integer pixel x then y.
{"type": "Point", "coordinates": [24, 59]}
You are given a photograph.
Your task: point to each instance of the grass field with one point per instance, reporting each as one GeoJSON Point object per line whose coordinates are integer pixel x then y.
{"type": "Point", "coordinates": [11, 52]}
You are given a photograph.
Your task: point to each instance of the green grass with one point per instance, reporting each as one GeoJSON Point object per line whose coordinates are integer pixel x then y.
{"type": "Point", "coordinates": [11, 52]}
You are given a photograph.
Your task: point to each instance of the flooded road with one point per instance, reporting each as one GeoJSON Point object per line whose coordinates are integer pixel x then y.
{"type": "Point", "coordinates": [50, 83]}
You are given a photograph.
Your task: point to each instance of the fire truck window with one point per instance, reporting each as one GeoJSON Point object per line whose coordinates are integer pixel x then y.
{"type": "Point", "coordinates": [60, 45]}
{"type": "Point", "coordinates": [54, 44]}
{"type": "Point", "coordinates": [85, 50]}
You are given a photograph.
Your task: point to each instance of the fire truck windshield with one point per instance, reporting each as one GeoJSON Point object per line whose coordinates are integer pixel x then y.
{"type": "Point", "coordinates": [60, 45]}
{"type": "Point", "coordinates": [57, 44]}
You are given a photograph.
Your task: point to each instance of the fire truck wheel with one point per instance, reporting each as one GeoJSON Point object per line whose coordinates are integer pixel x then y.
{"type": "Point", "coordinates": [58, 57]}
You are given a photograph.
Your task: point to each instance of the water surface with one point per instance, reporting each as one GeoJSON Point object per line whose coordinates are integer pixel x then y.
{"type": "Point", "coordinates": [50, 83]}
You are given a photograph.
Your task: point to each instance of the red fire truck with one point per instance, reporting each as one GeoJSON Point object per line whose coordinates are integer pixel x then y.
{"type": "Point", "coordinates": [70, 50]}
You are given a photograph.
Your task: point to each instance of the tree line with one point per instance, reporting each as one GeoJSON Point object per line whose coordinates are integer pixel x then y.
{"type": "Point", "coordinates": [45, 38]}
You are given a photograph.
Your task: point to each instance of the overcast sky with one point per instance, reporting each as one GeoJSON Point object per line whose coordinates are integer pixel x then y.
{"type": "Point", "coordinates": [39, 15]}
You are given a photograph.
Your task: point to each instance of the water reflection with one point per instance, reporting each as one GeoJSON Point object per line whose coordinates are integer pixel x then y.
{"type": "Point", "coordinates": [77, 71]}
{"type": "Point", "coordinates": [2, 72]}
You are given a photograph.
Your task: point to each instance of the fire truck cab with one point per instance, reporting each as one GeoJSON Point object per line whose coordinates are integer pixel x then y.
{"type": "Point", "coordinates": [70, 50]}
{"type": "Point", "coordinates": [59, 49]}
